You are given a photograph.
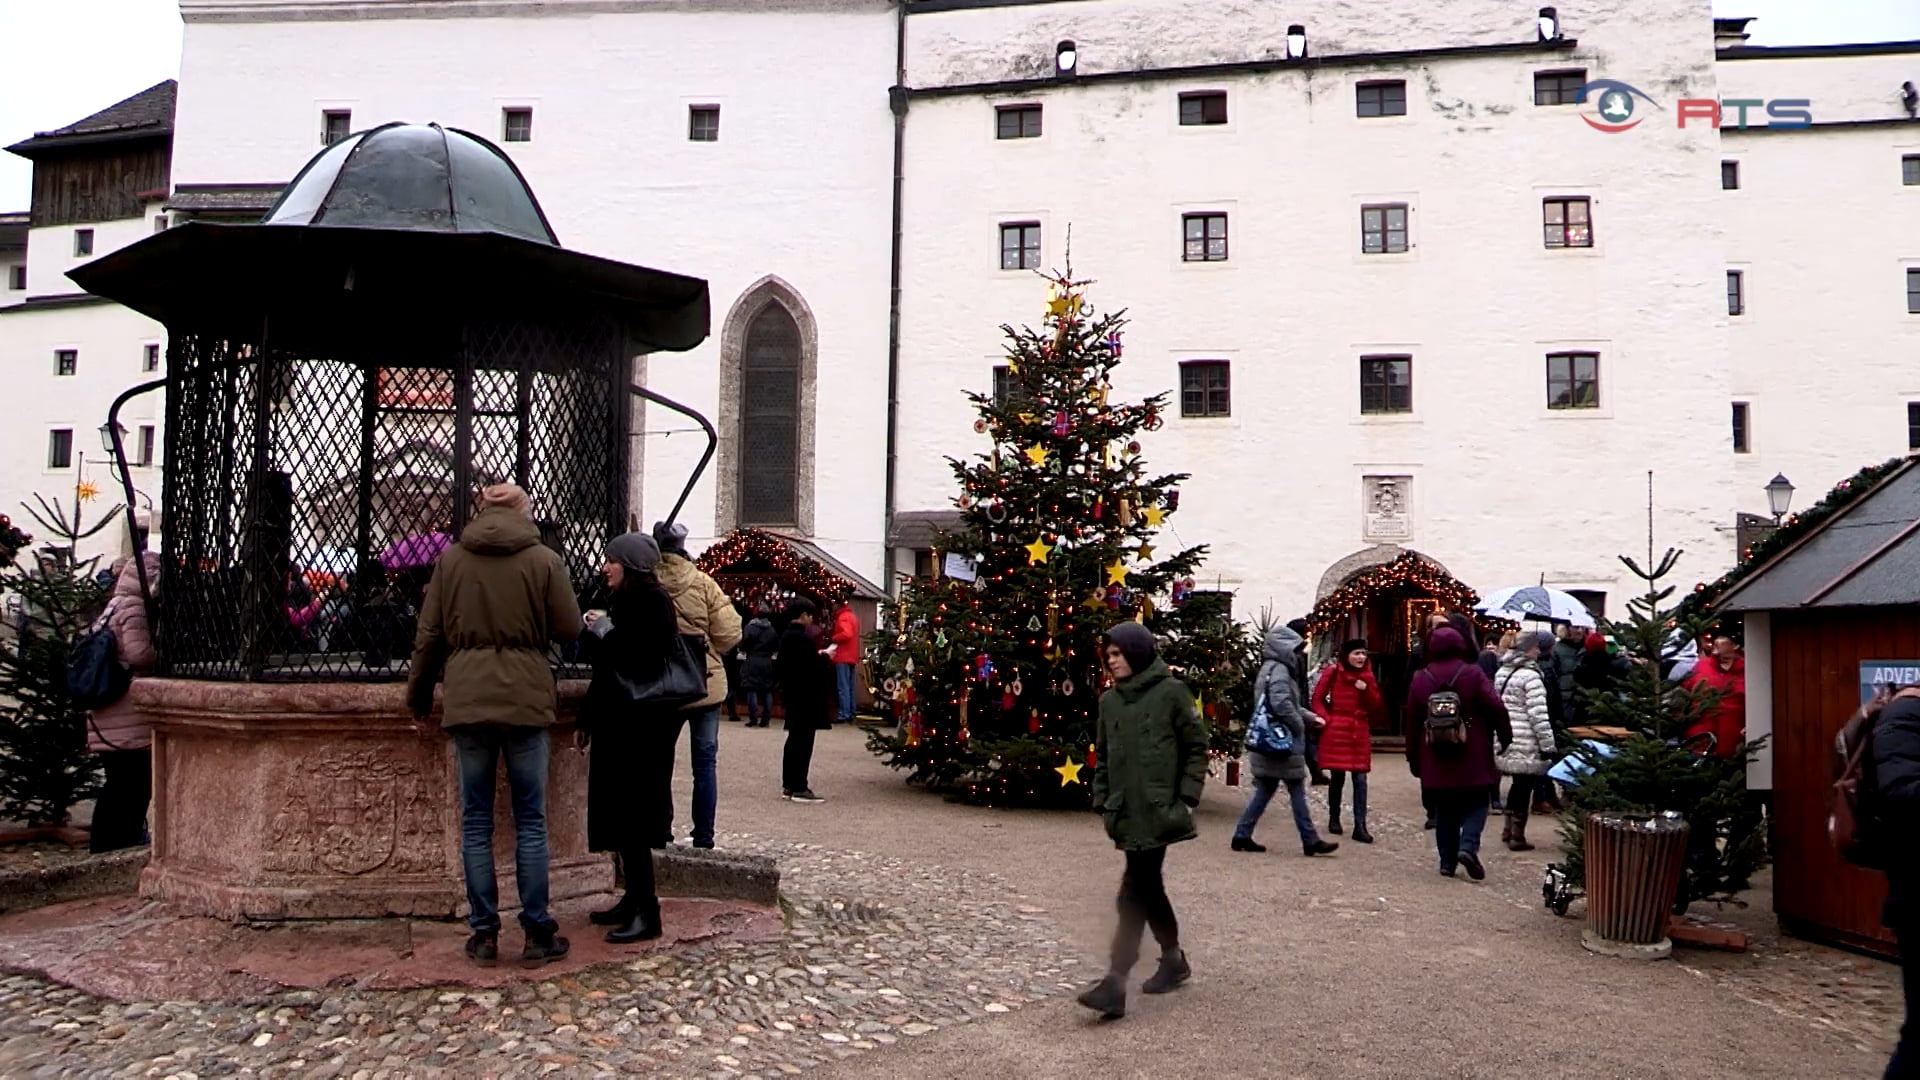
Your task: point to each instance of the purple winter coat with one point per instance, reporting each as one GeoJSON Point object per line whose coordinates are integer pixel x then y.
{"type": "Point", "coordinates": [1471, 765]}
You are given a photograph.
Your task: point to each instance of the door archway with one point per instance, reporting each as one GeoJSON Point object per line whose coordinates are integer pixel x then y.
{"type": "Point", "coordinates": [1385, 594]}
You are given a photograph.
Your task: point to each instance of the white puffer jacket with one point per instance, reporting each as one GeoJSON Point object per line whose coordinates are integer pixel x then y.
{"type": "Point", "coordinates": [1524, 691]}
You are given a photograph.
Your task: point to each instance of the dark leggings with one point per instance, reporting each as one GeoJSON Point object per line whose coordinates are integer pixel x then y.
{"type": "Point", "coordinates": [1143, 902]}
{"type": "Point", "coordinates": [120, 813]}
{"type": "Point", "coordinates": [1520, 798]}
{"type": "Point", "coordinates": [637, 867]}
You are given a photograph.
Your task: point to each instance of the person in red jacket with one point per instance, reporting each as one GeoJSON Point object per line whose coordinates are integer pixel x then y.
{"type": "Point", "coordinates": [1725, 673]}
{"type": "Point", "coordinates": [1348, 698]}
{"type": "Point", "coordinates": [846, 655]}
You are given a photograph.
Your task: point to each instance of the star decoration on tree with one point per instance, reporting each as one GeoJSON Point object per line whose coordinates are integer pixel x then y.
{"type": "Point", "coordinates": [1038, 454]}
{"type": "Point", "coordinates": [1069, 773]}
{"type": "Point", "coordinates": [1117, 573]}
{"type": "Point", "coordinates": [1154, 516]}
{"type": "Point", "coordinates": [1145, 553]}
{"type": "Point", "coordinates": [1037, 552]}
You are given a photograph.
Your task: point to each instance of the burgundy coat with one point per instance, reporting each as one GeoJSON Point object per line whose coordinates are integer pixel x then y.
{"type": "Point", "coordinates": [1471, 765]}
{"type": "Point", "coordinates": [1347, 742]}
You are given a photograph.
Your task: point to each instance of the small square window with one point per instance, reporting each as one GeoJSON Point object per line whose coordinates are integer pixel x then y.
{"type": "Point", "coordinates": [703, 123]}
{"type": "Point", "coordinates": [1017, 122]}
{"type": "Point", "coordinates": [66, 361]}
{"type": "Point", "coordinates": [150, 360]}
{"type": "Point", "coordinates": [1006, 388]}
{"type": "Point", "coordinates": [1569, 222]}
{"type": "Point", "coordinates": [1729, 175]}
{"type": "Point", "coordinates": [1383, 229]}
{"type": "Point", "coordinates": [1386, 384]}
{"type": "Point", "coordinates": [17, 277]}
{"type": "Point", "coordinates": [1383, 98]}
{"type": "Point", "coordinates": [1203, 107]}
{"type": "Point", "coordinates": [1204, 389]}
{"type": "Point", "coordinates": [1910, 170]}
{"type": "Point", "coordinates": [1205, 237]}
{"type": "Point", "coordinates": [60, 448]}
{"type": "Point", "coordinates": [1558, 87]}
{"type": "Point", "coordinates": [1741, 428]}
{"type": "Point", "coordinates": [1573, 380]}
{"type": "Point", "coordinates": [1913, 425]}
{"type": "Point", "coordinates": [1020, 245]}
{"type": "Point", "coordinates": [335, 124]}
{"type": "Point", "coordinates": [1736, 292]}
{"type": "Point", "coordinates": [516, 125]}
{"type": "Point", "coordinates": [82, 242]}
{"type": "Point", "coordinates": [1913, 291]}
{"type": "Point", "coordinates": [143, 451]}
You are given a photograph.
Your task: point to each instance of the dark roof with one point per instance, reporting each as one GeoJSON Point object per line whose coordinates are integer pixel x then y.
{"type": "Point", "coordinates": [147, 114]}
{"type": "Point", "coordinates": [15, 218]}
{"type": "Point", "coordinates": [862, 588]}
{"type": "Point", "coordinates": [55, 300]}
{"type": "Point", "coordinates": [225, 198]}
{"type": "Point", "coordinates": [1867, 555]}
{"type": "Point", "coordinates": [918, 529]}
{"type": "Point", "coordinates": [1801, 52]}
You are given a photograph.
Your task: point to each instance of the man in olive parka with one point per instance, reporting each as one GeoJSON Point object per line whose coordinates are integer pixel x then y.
{"type": "Point", "coordinates": [1149, 765]}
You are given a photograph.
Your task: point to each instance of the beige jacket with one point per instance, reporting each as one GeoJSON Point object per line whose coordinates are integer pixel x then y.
{"type": "Point", "coordinates": [705, 609]}
{"type": "Point", "coordinates": [121, 725]}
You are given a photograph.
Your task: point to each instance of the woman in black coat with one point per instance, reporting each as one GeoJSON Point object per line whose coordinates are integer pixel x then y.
{"type": "Point", "coordinates": [805, 678]}
{"type": "Point", "coordinates": [758, 644]}
{"type": "Point", "coordinates": [630, 746]}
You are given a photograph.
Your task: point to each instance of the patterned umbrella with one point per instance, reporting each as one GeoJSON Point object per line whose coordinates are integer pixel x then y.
{"type": "Point", "coordinates": [1536, 602]}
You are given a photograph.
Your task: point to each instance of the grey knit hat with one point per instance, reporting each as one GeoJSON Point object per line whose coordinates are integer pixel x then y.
{"type": "Point", "coordinates": [671, 536]}
{"type": "Point", "coordinates": [636, 551]}
{"type": "Point", "coordinates": [1135, 642]}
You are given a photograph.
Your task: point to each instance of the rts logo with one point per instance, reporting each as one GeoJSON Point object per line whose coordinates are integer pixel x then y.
{"type": "Point", "coordinates": [1614, 102]}
{"type": "Point", "coordinates": [1614, 108]}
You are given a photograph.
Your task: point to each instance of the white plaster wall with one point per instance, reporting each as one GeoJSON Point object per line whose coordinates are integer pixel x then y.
{"type": "Point", "coordinates": [8, 294]}
{"type": "Point", "coordinates": [50, 250]}
{"type": "Point", "coordinates": [110, 341]}
{"type": "Point", "coordinates": [1759, 649]}
{"type": "Point", "coordinates": [1837, 87]}
{"type": "Point", "coordinates": [1504, 491]}
{"type": "Point", "coordinates": [1824, 230]}
{"type": "Point", "coordinates": [798, 185]}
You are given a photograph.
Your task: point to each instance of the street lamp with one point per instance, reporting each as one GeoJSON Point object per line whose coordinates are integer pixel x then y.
{"type": "Point", "coordinates": [1066, 60]}
{"type": "Point", "coordinates": [1779, 496]}
{"type": "Point", "coordinates": [1296, 42]}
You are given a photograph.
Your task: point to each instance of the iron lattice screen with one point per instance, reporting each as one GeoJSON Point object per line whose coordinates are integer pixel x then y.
{"type": "Point", "coordinates": [309, 489]}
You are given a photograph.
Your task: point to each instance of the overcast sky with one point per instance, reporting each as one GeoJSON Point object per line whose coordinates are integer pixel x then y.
{"type": "Point", "coordinates": [65, 59]}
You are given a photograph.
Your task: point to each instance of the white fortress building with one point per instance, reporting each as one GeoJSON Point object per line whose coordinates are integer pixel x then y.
{"type": "Point", "coordinates": [1405, 291]}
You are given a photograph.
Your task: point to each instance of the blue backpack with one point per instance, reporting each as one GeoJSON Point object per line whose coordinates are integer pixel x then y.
{"type": "Point", "coordinates": [95, 676]}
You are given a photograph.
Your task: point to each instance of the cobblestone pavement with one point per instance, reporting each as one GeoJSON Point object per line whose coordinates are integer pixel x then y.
{"type": "Point", "coordinates": [878, 951]}
{"type": "Point", "coordinates": [948, 949]}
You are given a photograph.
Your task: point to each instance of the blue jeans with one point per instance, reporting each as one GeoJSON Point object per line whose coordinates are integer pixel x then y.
{"type": "Point", "coordinates": [1460, 814]}
{"type": "Point", "coordinates": [759, 705]}
{"type": "Point", "coordinates": [1263, 792]}
{"type": "Point", "coordinates": [703, 732]}
{"type": "Point", "coordinates": [478, 749]}
{"type": "Point", "coordinates": [843, 678]}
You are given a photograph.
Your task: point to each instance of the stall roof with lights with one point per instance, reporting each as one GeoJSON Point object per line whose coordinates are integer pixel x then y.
{"type": "Point", "coordinates": [748, 561]}
{"type": "Point", "coordinates": [1865, 555]}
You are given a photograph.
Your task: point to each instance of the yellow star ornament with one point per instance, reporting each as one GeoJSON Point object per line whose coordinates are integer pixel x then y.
{"type": "Point", "coordinates": [1037, 552]}
{"type": "Point", "coordinates": [1069, 773]}
{"type": "Point", "coordinates": [1154, 516]}
{"type": "Point", "coordinates": [1117, 573]}
{"type": "Point", "coordinates": [86, 491]}
{"type": "Point", "coordinates": [1060, 304]}
{"type": "Point", "coordinates": [1146, 553]}
{"type": "Point", "coordinates": [1038, 455]}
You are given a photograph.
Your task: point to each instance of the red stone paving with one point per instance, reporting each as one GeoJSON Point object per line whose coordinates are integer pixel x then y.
{"type": "Point", "coordinates": [130, 949]}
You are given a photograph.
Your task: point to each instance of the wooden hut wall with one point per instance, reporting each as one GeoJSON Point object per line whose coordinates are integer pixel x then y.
{"type": "Point", "coordinates": [1816, 687]}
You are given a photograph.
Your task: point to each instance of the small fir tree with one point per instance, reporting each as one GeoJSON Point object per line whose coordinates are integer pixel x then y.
{"type": "Point", "coordinates": [44, 764]}
{"type": "Point", "coordinates": [996, 681]}
{"type": "Point", "coordinates": [1656, 768]}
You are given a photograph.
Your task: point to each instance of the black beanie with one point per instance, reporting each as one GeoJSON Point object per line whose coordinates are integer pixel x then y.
{"type": "Point", "coordinates": [1348, 646]}
{"type": "Point", "coordinates": [1135, 642]}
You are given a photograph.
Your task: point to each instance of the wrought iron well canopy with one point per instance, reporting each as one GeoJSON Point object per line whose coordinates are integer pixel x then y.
{"type": "Point", "coordinates": [401, 330]}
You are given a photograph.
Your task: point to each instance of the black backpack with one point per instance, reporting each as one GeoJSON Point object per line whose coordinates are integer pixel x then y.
{"type": "Point", "coordinates": [1446, 718]}
{"type": "Point", "coordinates": [95, 676]}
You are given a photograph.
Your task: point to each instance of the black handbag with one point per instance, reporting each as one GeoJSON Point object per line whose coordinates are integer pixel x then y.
{"type": "Point", "coordinates": [95, 676]}
{"type": "Point", "coordinates": [680, 681]}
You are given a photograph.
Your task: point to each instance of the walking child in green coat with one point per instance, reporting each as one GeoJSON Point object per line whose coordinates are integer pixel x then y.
{"type": "Point", "coordinates": [1150, 763]}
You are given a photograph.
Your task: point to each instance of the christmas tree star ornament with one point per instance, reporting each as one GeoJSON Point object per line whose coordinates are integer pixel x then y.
{"type": "Point", "coordinates": [1117, 573]}
{"type": "Point", "coordinates": [1038, 455]}
{"type": "Point", "coordinates": [1154, 516]}
{"type": "Point", "coordinates": [86, 491]}
{"type": "Point", "coordinates": [1145, 553]}
{"type": "Point", "coordinates": [1038, 551]}
{"type": "Point", "coordinates": [1069, 773]}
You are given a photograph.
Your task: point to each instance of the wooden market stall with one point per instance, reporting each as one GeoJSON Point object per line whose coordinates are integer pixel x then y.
{"type": "Point", "coordinates": [758, 566]}
{"type": "Point", "coordinates": [1830, 621]}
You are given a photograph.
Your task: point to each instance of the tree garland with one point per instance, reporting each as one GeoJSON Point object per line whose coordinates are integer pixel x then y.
{"type": "Point", "coordinates": [1407, 571]}
{"type": "Point", "coordinates": [1796, 526]}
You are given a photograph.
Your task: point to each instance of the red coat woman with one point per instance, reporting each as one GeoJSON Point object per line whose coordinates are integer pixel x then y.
{"type": "Point", "coordinates": [1348, 698]}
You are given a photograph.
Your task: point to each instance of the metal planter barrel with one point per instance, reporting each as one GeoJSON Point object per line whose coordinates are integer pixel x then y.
{"type": "Point", "coordinates": [1633, 867]}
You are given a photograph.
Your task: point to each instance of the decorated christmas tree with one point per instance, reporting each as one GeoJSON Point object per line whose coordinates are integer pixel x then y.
{"type": "Point", "coordinates": [996, 673]}
{"type": "Point", "coordinates": [1657, 768]}
{"type": "Point", "coordinates": [44, 764]}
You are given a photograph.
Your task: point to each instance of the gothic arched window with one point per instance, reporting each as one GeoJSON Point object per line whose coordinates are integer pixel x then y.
{"type": "Point", "coordinates": [770, 419]}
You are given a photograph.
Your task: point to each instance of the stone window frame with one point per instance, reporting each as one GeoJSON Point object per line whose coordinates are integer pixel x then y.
{"type": "Point", "coordinates": [770, 289]}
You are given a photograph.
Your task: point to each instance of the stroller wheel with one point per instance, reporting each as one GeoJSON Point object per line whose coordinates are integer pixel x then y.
{"type": "Point", "coordinates": [1560, 906]}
